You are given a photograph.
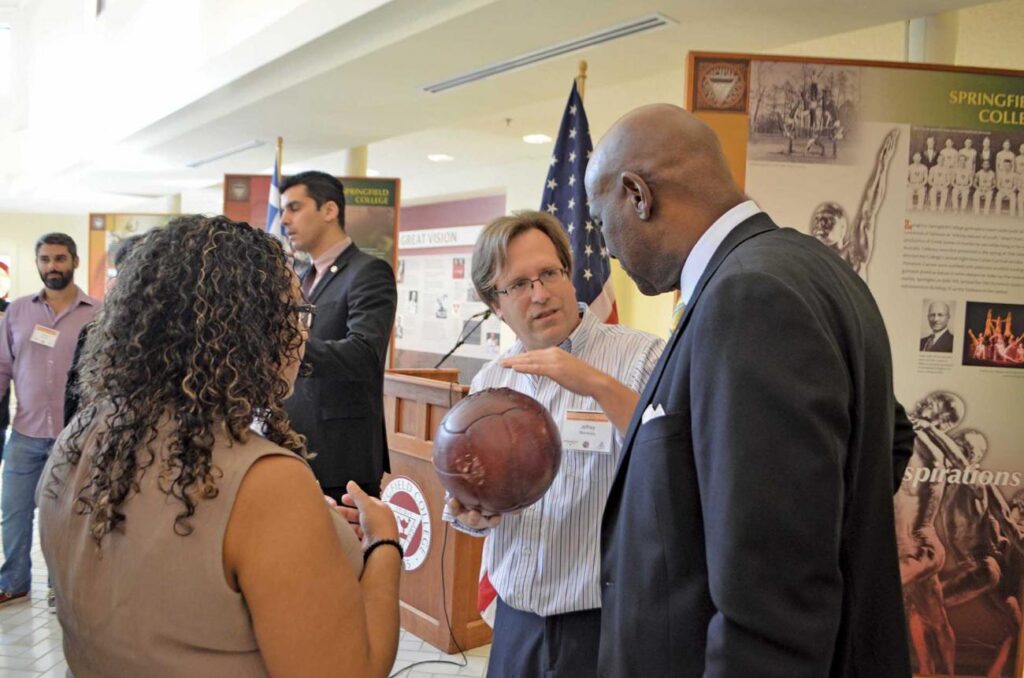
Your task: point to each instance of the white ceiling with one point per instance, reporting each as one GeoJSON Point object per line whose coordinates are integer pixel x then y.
{"type": "Point", "coordinates": [361, 84]}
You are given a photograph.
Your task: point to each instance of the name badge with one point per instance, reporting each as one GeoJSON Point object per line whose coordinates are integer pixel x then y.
{"type": "Point", "coordinates": [45, 336]}
{"type": "Point", "coordinates": [587, 431]}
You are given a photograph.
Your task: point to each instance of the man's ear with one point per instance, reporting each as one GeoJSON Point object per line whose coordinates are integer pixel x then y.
{"type": "Point", "coordinates": [639, 194]}
{"type": "Point", "coordinates": [330, 210]}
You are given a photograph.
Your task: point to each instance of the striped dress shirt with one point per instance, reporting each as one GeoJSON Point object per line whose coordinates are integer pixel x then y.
{"type": "Point", "coordinates": [547, 558]}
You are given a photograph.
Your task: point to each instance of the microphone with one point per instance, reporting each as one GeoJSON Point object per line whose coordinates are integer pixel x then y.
{"type": "Point", "coordinates": [483, 315]}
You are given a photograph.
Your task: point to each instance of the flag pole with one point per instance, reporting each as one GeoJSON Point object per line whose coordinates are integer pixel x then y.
{"type": "Point", "coordinates": [581, 79]}
{"type": "Point", "coordinates": [280, 152]}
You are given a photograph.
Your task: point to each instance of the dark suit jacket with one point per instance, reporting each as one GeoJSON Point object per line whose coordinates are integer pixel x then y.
{"type": "Point", "coordinates": [749, 531]}
{"type": "Point", "coordinates": [72, 392]}
{"type": "Point", "coordinates": [943, 345]}
{"type": "Point", "coordinates": [339, 404]}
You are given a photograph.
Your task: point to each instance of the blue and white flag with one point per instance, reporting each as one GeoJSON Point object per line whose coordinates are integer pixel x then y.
{"type": "Point", "coordinates": [274, 226]}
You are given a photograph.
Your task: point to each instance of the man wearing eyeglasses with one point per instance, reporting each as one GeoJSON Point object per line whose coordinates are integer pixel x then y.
{"type": "Point", "coordinates": [544, 561]}
{"type": "Point", "coordinates": [338, 403]}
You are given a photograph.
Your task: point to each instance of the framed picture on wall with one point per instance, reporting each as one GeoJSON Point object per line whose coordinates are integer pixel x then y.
{"type": "Point", "coordinates": [106, 231]}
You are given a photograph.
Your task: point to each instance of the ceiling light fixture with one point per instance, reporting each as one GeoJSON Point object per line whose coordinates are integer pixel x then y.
{"type": "Point", "coordinates": [639, 25]}
{"type": "Point", "coordinates": [440, 157]}
{"type": "Point", "coordinates": [537, 139]}
{"type": "Point", "coordinates": [372, 173]}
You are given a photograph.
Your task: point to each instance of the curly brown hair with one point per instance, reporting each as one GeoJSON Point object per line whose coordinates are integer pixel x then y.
{"type": "Point", "coordinates": [194, 336]}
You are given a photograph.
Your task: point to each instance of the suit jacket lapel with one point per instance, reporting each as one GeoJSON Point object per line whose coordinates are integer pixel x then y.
{"type": "Point", "coordinates": [336, 268]}
{"type": "Point", "coordinates": [755, 225]}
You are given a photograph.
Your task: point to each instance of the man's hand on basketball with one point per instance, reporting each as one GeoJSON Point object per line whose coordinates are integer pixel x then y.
{"type": "Point", "coordinates": [472, 519]}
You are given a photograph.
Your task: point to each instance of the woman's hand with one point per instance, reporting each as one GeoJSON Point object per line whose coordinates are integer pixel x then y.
{"type": "Point", "coordinates": [371, 518]}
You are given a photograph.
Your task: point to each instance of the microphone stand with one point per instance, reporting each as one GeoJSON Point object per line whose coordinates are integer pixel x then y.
{"type": "Point", "coordinates": [465, 337]}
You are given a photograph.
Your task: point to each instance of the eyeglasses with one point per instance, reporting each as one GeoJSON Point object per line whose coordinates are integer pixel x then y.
{"type": "Point", "coordinates": [305, 313]}
{"type": "Point", "coordinates": [547, 278]}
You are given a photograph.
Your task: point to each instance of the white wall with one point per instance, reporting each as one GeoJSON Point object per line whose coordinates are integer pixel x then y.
{"type": "Point", "coordinates": [203, 201]}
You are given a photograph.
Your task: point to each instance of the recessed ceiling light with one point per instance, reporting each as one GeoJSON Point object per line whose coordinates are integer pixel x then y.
{"type": "Point", "coordinates": [537, 139]}
{"type": "Point", "coordinates": [440, 157]}
{"type": "Point", "coordinates": [372, 173]}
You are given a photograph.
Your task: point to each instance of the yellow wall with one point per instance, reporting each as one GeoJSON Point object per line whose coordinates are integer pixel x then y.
{"type": "Point", "coordinates": [986, 36]}
{"type": "Point", "coordinates": [990, 35]}
{"type": "Point", "coordinates": [880, 43]}
{"type": "Point", "coordinates": [650, 314]}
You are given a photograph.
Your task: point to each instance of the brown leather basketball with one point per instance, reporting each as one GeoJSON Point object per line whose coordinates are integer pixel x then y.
{"type": "Point", "coordinates": [497, 451]}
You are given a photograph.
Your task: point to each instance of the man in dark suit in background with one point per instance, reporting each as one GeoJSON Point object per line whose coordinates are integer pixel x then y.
{"type": "Point", "coordinates": [930, 154]}
{"type": "Point", "coordinates": [941, 339]}
{"type": "Point", "coordinates": [749, 530]}
{"type": "Point", "coordinates": [338, 402]}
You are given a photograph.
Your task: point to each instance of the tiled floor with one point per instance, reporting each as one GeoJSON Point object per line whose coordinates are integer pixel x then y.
{"type": "Point", "coordinates": [30, 637]}
{"type": "Point", "coordinates": [30, 641]}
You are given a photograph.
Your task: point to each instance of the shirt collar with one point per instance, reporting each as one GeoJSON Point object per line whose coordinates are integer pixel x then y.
{"type": "Point", "coordinates": [708, 242]}
{"type": "Point", "coordinates": [327, 258]}
{"type": "Point", "coordinates": [577, 339]}
{"type": "Point", "coordinates": [80, 297]}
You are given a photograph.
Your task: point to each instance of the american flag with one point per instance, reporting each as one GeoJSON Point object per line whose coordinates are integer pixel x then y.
{"type": "Point", "coordinates": [566, 199]}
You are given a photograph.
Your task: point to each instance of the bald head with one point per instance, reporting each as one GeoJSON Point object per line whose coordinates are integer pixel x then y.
{"type": "Point", "coordinates": [665, 143]}
{"type": "Point", "coordinates": [656, 181]}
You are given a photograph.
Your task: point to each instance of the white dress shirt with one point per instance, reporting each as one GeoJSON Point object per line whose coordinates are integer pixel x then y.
{"type": "Point", "coordinates": [546, 559]}
{"type": "Point", "coordinates": [705, 247]}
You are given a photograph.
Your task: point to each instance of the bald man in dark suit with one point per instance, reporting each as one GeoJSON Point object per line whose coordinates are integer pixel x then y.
{"type": "Point", "coordinates": [749, 530]}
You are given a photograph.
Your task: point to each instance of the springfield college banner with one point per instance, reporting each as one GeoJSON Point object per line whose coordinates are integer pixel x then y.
{"type": "Point", "coordinates": [915, 176]}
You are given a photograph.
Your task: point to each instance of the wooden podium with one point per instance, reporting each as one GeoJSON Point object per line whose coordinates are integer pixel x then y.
{"type": "Point", "coordinates": [415, 401]}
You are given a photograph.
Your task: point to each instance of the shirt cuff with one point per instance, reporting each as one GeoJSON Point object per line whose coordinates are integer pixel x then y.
{"type": "Point", "coordinates": [449, 517]}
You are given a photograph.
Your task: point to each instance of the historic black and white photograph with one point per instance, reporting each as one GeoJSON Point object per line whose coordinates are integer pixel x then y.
{"type": "Point", "coordinates": [803, 112]}
{"type": "Point", "coordinates": [966, 172]}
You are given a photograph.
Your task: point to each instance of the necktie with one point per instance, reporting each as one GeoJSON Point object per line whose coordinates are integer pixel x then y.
{"type": "Point", "coordinates": [677, 315]}
{"type": "Point", "coordinates": [928, 344]}
{"type": "Point", "coordinates": [307, 282]}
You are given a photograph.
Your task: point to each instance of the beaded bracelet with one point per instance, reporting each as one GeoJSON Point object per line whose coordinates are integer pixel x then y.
{"type": "Point", "coordinates": [382, 542]}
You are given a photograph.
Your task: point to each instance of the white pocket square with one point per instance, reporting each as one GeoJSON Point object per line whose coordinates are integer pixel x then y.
{"type": "Point", "coordinates": [652, 412]}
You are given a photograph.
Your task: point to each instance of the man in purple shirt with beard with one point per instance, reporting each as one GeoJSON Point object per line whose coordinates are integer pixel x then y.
{"type": "Point", "coordinates": [37, 340]}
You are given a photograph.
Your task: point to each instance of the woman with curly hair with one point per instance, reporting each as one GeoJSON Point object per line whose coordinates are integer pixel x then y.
{"type": "Point", "coordinates": [181, 543]}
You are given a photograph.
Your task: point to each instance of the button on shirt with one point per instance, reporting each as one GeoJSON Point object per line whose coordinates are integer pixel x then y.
{"type": "Point", "coordinates": [546, 559]}
{"type": "Point", "coordinates": [324, 262]}
{"type": "Point", "coordinates": [40, 372]}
